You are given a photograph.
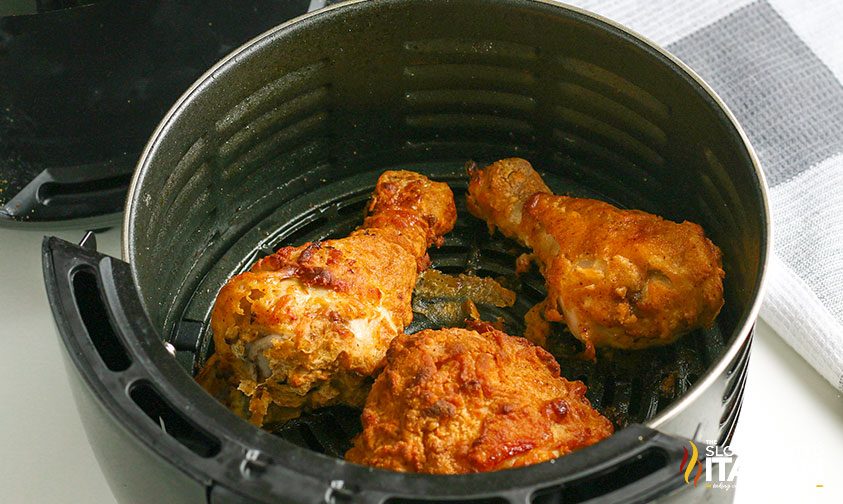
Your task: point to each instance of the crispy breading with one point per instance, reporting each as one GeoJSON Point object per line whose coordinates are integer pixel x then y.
{"type": "Point", "coordinates": [308, 326]}
{"type": "Point", "coordinates": [618, 278]}
{"type": "Point", "coordinates": [456, 401]}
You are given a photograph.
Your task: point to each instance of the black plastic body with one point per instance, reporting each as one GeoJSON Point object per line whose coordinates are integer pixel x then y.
{"type": "Point", "coordinates": [219, 458]}
{"type": "Point", "coordinates": [82, 88]}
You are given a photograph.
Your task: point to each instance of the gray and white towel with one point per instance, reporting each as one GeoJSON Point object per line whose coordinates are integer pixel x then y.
{"type": "Point", "coordinates": [778, 64]}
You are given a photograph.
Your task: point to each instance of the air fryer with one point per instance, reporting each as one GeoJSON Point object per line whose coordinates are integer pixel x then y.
{"type": "Point", "coordinates": [281, 143]}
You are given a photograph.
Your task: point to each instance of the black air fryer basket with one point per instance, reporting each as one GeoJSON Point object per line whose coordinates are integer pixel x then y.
{"type": "Point", "coordinates": [281, 143]}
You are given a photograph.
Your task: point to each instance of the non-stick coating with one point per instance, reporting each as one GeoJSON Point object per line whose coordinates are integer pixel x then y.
{"type": "Point", "coordinates": [282, 142]}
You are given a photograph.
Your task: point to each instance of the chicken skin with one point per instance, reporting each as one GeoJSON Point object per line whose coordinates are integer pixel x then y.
{"type": "Point", "coordinates": [618, 278]}
{"type": "Point", "coordinates": [308, 326]}
{"type": "Point", "coordinates": [455, 401]}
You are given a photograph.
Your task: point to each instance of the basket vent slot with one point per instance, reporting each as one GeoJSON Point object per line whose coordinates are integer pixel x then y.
{"type": "Point", "coordinates": [94, 315]}
{"type": "Point", "coordinates": [172, 422]}
{"type": "Point", "coordinates": [736, 374]}
{"type": "Point", "coordinates": [604, 483]}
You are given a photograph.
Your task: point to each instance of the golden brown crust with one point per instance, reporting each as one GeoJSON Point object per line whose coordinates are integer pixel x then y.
{"type": "Point", "coordinates": [618, 278]}
{"type": "Point", "coordinates": [456, 401]}
{"type": "Point", "coordinates": [307, 326]}
{"type": "Point", "coordinates": [497, 193]}
{"type": "Point", "coordinates": [411, 211]}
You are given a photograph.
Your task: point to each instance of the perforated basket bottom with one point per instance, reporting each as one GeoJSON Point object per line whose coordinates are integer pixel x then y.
{"type": "Point", "coordinates": [625, 386]}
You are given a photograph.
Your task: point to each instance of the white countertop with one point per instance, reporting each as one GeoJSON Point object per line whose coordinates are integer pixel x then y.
{"type": "Point", "coordinates": [790, 433]}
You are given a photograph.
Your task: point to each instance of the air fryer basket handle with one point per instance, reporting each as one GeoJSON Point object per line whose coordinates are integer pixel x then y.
{"type": "Point", "coordinates": [85, 190]}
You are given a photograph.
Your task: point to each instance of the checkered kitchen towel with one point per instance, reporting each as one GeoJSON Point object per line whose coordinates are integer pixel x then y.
{"type": "Point", "coordinates": [778, 64]}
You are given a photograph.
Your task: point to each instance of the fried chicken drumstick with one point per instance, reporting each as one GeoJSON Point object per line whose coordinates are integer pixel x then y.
{"type": "Point", "coordinates": [618, 278]}
{"type": "Point", "coordinates": [307, 326]}
{"type": "Point", "coordinates": [456, 401]}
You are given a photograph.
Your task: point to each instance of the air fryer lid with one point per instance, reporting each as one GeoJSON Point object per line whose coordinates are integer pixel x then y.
{"type": "Point", "coordinates": [282, 142]}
